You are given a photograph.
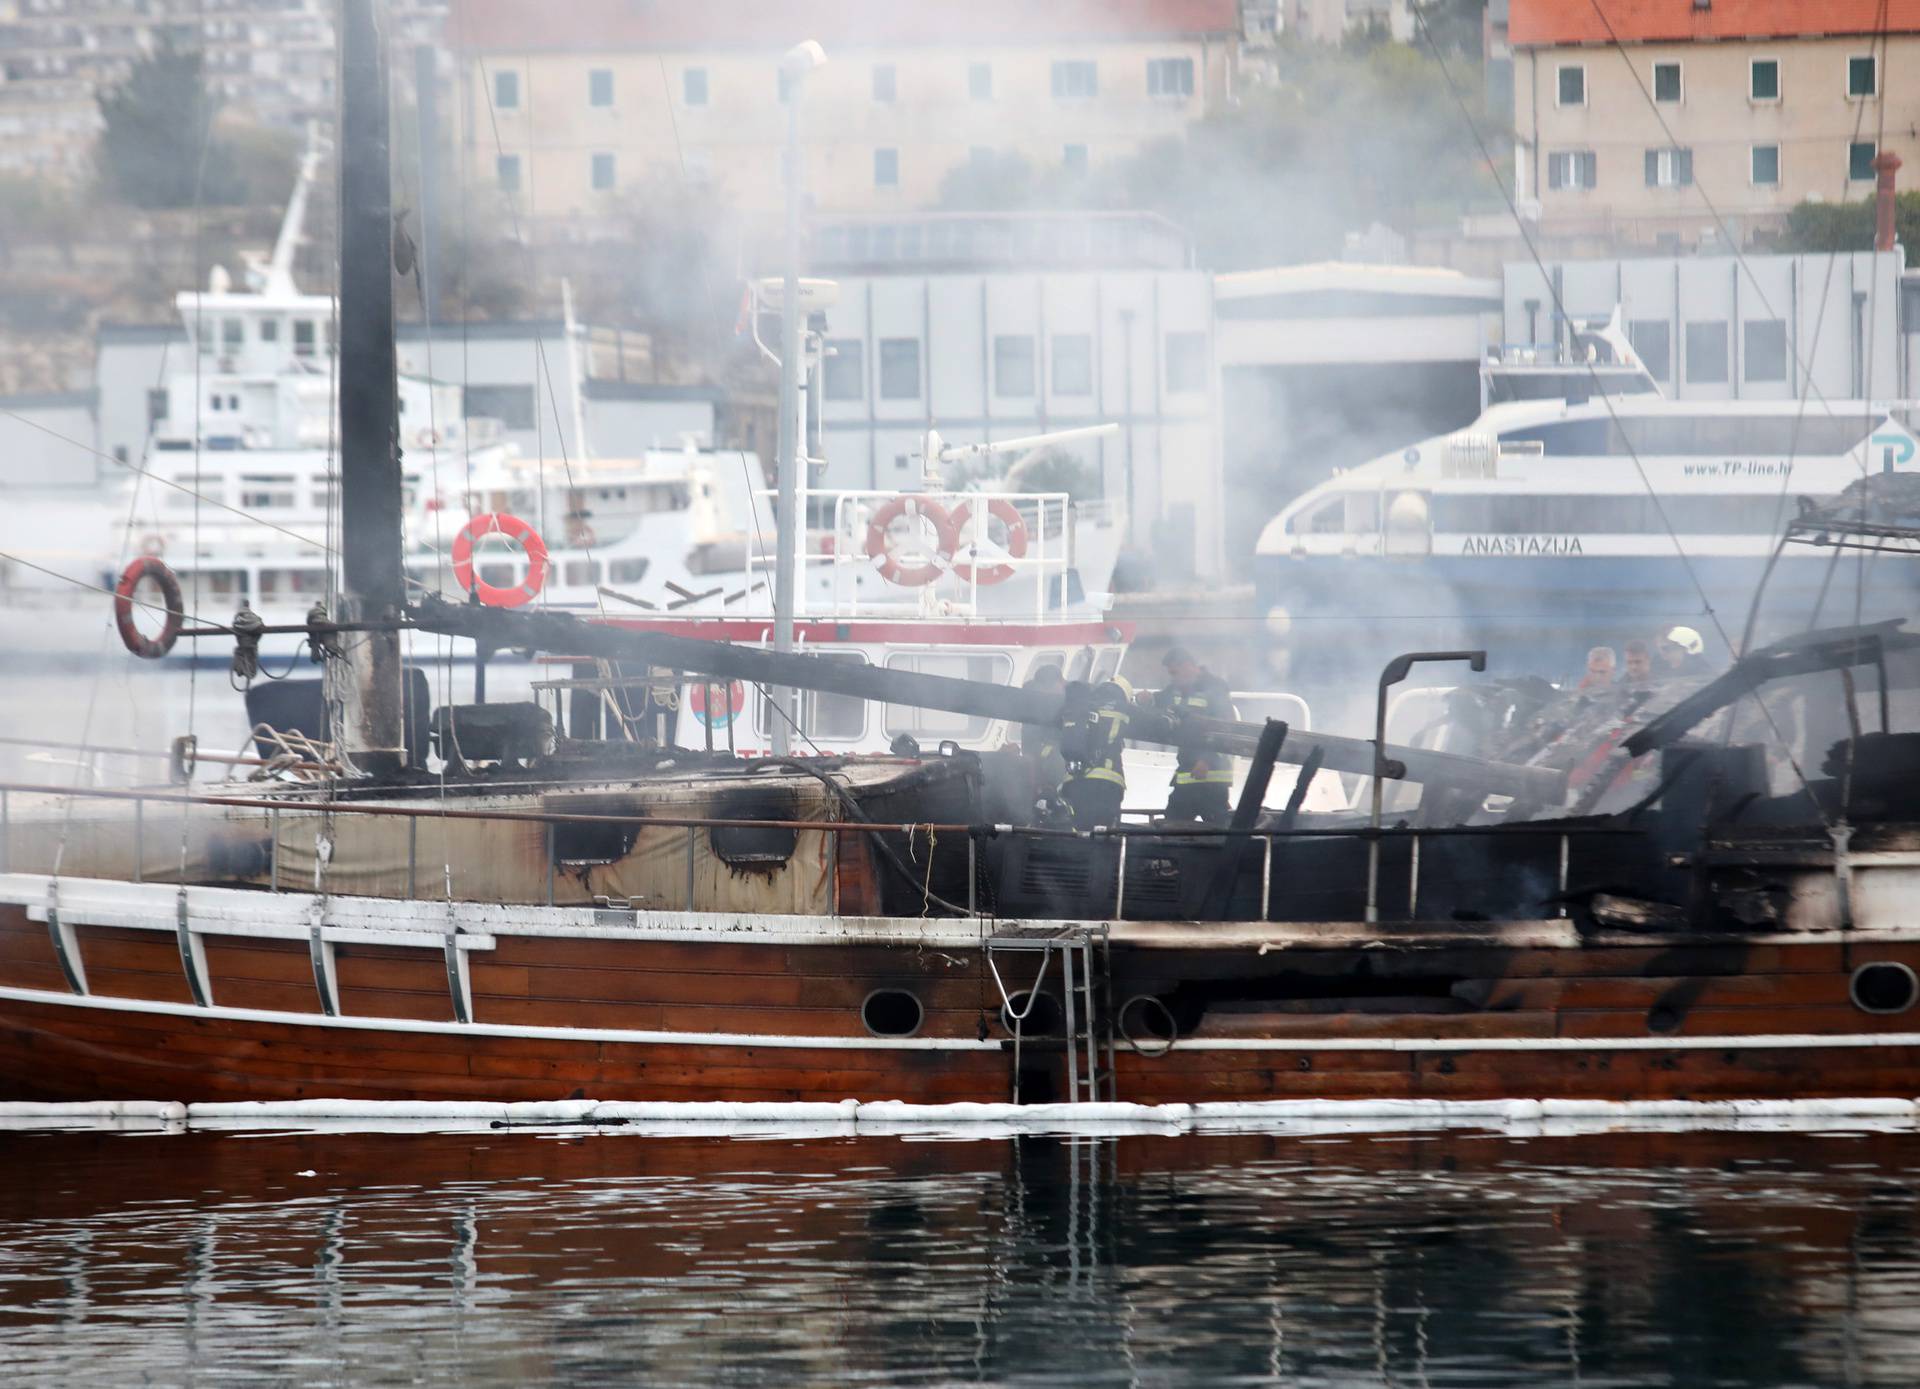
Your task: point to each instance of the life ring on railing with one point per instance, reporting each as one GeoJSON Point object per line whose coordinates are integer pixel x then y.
{"type": "Point", "coordinates": [138, 642]}
{"type": "Point", "coordinates": [513, 528]}
{"type": "Point", "coordinates": [1016, 547]}
{"type": "Point", "coordinates": [880, 540]}
{"type": "Point", "coordinates": [153, 544]}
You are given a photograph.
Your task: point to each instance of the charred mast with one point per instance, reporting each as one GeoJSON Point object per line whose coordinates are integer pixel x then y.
{"type": "Point", "coordinates": [367, 683]}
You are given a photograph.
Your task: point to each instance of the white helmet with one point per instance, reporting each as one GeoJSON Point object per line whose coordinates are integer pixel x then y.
{"type": "Point", "coordinates": [1685, 638]}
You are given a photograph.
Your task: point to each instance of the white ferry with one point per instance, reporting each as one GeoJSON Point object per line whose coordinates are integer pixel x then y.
{"type": "Point", "coordinates": [1551, 525]}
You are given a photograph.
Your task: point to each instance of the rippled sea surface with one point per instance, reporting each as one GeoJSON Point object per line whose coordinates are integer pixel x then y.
{"type": "Point", "coordinates": [618, 1257]}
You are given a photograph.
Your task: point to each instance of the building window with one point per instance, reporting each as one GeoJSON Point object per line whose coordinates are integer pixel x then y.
{"type": "Point", "coordinates": [511, 405]}
{"type": "Point", "coordinates": [1186, 361]}
{"type": "Point", "coordinates": [899, 368]}
{"type": "Point", "coordinates": [1076, 81]}
{"type": "Point", "coordinates": [506, 91]}
{"type": "Point", "coordinates": [1073, 364]}
{"type": "Point", "coordinates": [603, 173]}
{"type": "Point", "coordinates": [1860, 161]}
{"type": "Point", "coordinates": [1572, 169]}
{"type": "Point", "coordinates": [1763, 80]}
{"type": "Point", "coordinates": [693, 87]}
{"type": "Point", "coordinates": [1669, 168]}
{"type": "Point", "coordinates": [1666, 82]}
{"type": "Point", "coordinates": [1074, 159]}
{"type": "Point", "coordinates": [600, 87]}
{"type": "Point", "coordinates": [843, 374]}
{"type": "Point", "coordinates": [1766, 166]}
{"type": "Point", "coordinates": [1764, 355]}
{"type": "Point", "coordinates": [269, 330]}
{"type": "Point", "coordinates": [507, 169]}
{"type": "Point", "coordinates": [883, 82]}
{"type": "Point", "coordinates": [303, 337]}
{"type": "Point", "coordinates": [1652, 343]}
{"type": "Point", "coordinates": [233, 334]}
{"type": "Point", "coordinates": [1863, 76]}
{"type": "Point", "coordinates": [1573, 86]}
{"type": "Point", "coordinates": [980, 81]}
{"type": "Point", "coordinates": [1170, 77]}
{"type": "Point", "coordinates": [1013, 367]}
{"type": "Point", "coordinates": [1707, 353]}
{"type": "Point", "coordinates": [886, 168]}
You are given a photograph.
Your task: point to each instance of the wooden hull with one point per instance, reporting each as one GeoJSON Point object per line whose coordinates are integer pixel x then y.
{"type": "Point", "coordinates": [532, 1004]}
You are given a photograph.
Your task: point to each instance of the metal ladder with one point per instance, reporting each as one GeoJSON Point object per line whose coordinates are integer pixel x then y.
{"type": "Point", "coordinates": [1086, 989]}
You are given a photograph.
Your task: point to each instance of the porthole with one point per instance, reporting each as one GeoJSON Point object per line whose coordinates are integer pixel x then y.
{"type": "Point", "coordinates": [1885, 986]}
{"type": "Point", "coordinates": [1037, 1015]}
{"type": "Point", "coordinates": [892, 1013]}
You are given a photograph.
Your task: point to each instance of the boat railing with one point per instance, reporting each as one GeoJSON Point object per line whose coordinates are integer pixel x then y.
{"type": "Point", "coordinates": [1115, 840]}
{"type": "Point", "coordinates": [949, 540]}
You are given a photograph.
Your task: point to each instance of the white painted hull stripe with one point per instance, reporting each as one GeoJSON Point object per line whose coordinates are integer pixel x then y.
{"type": "Point", "coordinates": [1751, 1042]}
{"type": "Point", "coordinates": [102, 1003]}
{"type": "Point", "coordinates": [900, 1112]}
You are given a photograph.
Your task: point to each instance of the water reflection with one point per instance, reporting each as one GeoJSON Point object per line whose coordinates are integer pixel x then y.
{"type": "Point", "coordinates": [1406, 1259]}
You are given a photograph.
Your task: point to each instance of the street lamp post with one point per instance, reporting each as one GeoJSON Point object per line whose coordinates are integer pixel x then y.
{"type": "Point", "coordinates": [790, 453]}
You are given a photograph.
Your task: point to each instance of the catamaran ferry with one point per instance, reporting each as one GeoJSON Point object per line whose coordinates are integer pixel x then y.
{"type": "Point", "coordinates": [1552, 525]}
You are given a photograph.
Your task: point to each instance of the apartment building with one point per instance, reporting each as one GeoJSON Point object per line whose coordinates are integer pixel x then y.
{"type": "Point", "coordinates": [271, 61]}
{"type": "Point", "coordinates": [570, 108]}
{"type": "Point", "coordinates": [1630, 118]}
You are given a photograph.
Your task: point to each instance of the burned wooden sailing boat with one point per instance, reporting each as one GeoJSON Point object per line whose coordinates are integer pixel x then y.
{"type": "Point", "coordinates": [1669, 892]}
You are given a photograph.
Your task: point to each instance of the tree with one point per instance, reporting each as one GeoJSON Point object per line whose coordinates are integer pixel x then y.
{"type": "Point", "coordinates": [158, 125]}
{"type": "Point", "coordinates": [1829, 227]}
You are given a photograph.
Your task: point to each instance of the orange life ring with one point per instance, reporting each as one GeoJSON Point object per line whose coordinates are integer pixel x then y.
{"type": "Point", "coordinates": [513, 528]}
{"type": "Point", "coordinates": [138, 642]}
{"type": "Point", "coordinates": [879, 546]}
{"type": "Point", "coordinates": [1016, 526]}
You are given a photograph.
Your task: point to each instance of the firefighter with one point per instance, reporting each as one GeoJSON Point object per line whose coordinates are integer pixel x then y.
{"type": "Point", "coordinates": [1201, 778]}
{"type": "Point", "coordinates": [1040, 742]}
{"type": "Point", "coordinates": [1092, 743]}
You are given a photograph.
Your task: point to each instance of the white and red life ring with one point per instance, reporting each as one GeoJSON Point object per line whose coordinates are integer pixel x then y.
{"type": "Point", "coordinates": [513, 528]}
{"type": "Point", "coordinates": [881, 547]}
{"type": "Point", "coordinates": [138, 642]}
{"type": "Point", "coordinates": [1016, 547]}
{"type": "Point", "coordinates": [716, 703]}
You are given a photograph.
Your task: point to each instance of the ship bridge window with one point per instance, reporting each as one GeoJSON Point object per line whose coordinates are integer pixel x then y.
{"type": "Point", "coordinates": [1752, 513]}
{"type": "Point", "coordinates": [303, 337]}
{"type": "Point", "coordinates": [627, 571]}
{"type": "Point", "coordinates": [822, 715]}
{"type": "Point", "coordinates": [207, 488]}
{"type": "Point", "coordinates": [577, 572]}
{"type": "Point", "coordinates": [1107, 663]}
{"type": "Point", "coordinates": [292, 583]}
{"type": "Point", "coordinates": [1718, 436]}
{"type": "Point", "coordinates": [259, 490]}
{"type": "Point", "coordinates": [1327, 517]}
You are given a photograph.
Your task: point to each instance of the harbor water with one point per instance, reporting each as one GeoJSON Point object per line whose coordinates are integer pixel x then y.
{"type": "Point", "coordinates": [1334, 1257]}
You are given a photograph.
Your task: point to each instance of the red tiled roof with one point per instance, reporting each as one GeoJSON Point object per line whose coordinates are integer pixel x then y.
{"type": "Point", "coordinates": [519, 26]}
{"type": "Point", "coordinates": [1542, 23]}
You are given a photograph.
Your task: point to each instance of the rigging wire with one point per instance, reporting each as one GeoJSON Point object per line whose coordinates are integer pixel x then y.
{"type": "Point", "coordinates": [1607, 402]}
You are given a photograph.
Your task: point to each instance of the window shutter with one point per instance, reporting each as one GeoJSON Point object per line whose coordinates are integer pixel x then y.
{"type": "Point", "coordinates": [1556, 171]}
{"type": "Point", "coordinates": [1683, 167]}
{"type": "Point", "coordinates": [1653, 168]}
{"type": "Point", "coordinates": [1589, 169]}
